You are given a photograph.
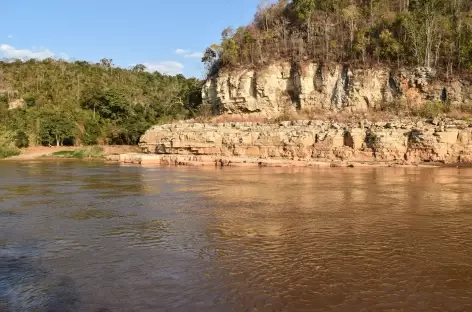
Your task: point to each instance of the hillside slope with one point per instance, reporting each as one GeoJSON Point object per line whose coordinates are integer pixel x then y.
{"type": "Point", "coordinates": [53, 102]}
{"type": "Point", "coordinates": [395, 33]}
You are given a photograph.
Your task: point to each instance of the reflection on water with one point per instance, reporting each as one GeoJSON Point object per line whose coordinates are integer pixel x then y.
{"type": "Point", "coordinates": [86, 214]}
{"type": "Point", "coordinates": [80, 236]}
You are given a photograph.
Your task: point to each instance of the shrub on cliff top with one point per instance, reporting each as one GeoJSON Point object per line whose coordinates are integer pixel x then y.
{"type": "Point", "coordinates": [432, 109]}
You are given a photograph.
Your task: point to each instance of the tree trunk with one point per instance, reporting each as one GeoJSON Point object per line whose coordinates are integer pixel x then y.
{"type": "Point", "coordinates": [429, 43]}
{"type": "Point", "coordinates": [351, 35]}
{"type": "Point", "coordinates": [371, 22]}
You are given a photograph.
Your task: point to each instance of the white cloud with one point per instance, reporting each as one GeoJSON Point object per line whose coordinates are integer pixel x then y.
{"type": "Point", "coordinates": [181, 51]}
{"type": "Point", "coordinates": [166, 67]}
{"type": "Point", "coordinates": [188, 53]}
{"type": "Point", "coordinates": [23, 54]}
{"type": "Point", "coordinates": [63, 56]}
{"type": "Point", "coordinates": [194, 55]}
{"type": "Point", "coordinates": [10, 36]}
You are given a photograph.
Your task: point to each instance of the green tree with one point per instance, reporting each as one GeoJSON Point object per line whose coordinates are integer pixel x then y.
{"type": "Point", "coordinates": [57, 128]}
{"type": "Point", "coordinates": [92, 132]}
{"type": "Point", "coordinates": [413, 32]}
{"type": "Point", "coordinates": [304, 9]}
{"type": "Point", "coordinates": [230, 53]}
{"type": "Point", "coordinates": [362, 43]}
{"type": "Point", "coordinates": [390, 47]}
{"type": "Point", "coordinates": [108, 104]}
{"type": "Point", "coordinates": [93, 98]}
{"type": "Point", "coordinates": [3, 107]}
{"type": "Point", "coordinates": [351, 15]}
{"type": "Point", "coordinates": [139, 68]}
{"type": "Point", "coordinates": [29, 99]}
{"type": "Point", "coordinates": [21, 139]}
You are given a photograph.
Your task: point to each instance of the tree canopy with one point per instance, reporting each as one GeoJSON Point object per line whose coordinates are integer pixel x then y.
{"type": "Point", "coordinates": [430, 33]}
{"type": "Point", "coordinates": [83, 103]}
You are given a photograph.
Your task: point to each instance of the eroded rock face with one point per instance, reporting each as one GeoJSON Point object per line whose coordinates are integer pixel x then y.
{"type": "Point", "coordinates": [447, 141]}
{"type": "Point", "coordinates": [20, 103]}
{"type": "Point", "coordinates": [274, 89]}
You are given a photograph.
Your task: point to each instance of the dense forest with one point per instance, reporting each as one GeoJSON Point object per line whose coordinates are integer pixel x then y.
{"type": "Point", "coordinates": [73, 103]}
{"type": "Point", "coordinates": [430, 33]}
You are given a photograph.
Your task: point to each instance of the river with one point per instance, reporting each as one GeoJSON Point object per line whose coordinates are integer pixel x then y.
{"type": "Point", "coordinates": [89, 236]}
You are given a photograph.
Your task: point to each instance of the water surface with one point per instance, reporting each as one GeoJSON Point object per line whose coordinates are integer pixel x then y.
{"type": "Point", "coordinates": [85, 236]}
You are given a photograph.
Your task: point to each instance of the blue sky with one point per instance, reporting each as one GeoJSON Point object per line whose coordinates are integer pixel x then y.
{"type": "Point", "coordinates": [166, 35]}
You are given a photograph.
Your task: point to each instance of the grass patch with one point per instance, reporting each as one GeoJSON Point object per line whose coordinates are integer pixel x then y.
{"type": "Point", "coordinates": [68, 154]}
{"type": "Point", "coordinates": [88, 152]}
{"type": "Point", "coordinates": [432, 109]}
{"type": "Point", "coordinates": [7, 151]}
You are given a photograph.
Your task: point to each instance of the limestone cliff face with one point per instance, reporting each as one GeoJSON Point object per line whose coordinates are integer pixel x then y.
{"type": "Point", "coordinates": [274, 89]}
{"type": "Point", "coordinates": [282, 87]}
{"type": "Point", "coordinates": [447, 141]}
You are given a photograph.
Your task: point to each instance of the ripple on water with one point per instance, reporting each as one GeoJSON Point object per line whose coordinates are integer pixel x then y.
{"type": "Point", "coordinates": [255, 240]}
{"type": "Point", "coordinates": [143, 234]}
{"type": "Point", "coordinates": [88, 214]}
{"type": "Point", "coordinates": [27, 286]}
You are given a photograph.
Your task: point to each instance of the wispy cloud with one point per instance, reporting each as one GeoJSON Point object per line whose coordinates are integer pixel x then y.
{"type": "Point", "coordinates": [165, 67]}
{"type": "Point", "coordinates": [194, 55]}
{"type": "Point", "coordinates": [10, 36]}
{"type": "Point", "coordinates": [8, 51]}
{"type": "Point", "coordinates": [188, 53]}
{"type": "Point", "coordinates": [181, 51]}
{"type": "Point", "coordinates": [63, 56]}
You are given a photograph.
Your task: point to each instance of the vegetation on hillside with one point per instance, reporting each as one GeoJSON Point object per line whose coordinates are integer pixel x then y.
{"type": "Point", "coordinates": [431, 33]}
{"type": "Point", "coordinates": [73, 103]}
{"type": "Point", "coordinates": [93, 152]}
{"type": "Point", "coordinates": [7, 146]}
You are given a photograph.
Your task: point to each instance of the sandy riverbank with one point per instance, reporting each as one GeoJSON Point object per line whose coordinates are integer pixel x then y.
{"type": "Point", "coordinates": [131, 155]}
{"type": "Point", "coordinates": [232, 161]}
{"type": "Point", "coordinates": [37, 152]}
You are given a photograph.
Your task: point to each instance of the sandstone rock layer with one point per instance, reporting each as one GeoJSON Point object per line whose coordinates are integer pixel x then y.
{"type": "Point", "coordinates": [447, 141]}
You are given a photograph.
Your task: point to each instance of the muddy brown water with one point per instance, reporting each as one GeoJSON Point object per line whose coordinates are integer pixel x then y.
{"type": "Point", "coordinates": [86, 236]}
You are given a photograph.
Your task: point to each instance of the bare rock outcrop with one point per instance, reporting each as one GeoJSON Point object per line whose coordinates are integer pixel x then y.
{"type": "Point", "coordinates": [19, 103]}
{"type": "Point", "coordinates": [446, 141]}
{"type": "Point", "coordinates": [282, 87]}
{"type": "Point", "coordinates": [274, 89]}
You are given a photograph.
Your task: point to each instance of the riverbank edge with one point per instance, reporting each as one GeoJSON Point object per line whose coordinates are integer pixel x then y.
{"type": "Point", "coordinates": [235, 161]}
{"type": "Point", "coordinates": [46, 153]}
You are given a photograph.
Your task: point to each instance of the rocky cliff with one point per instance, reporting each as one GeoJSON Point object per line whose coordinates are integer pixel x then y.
{"type": "Point", "coordinates": [284, 87]}
{"type": "Point", "coordinates": [409, 141]}
{"type": "Point", "coordinates": [281, 87]}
